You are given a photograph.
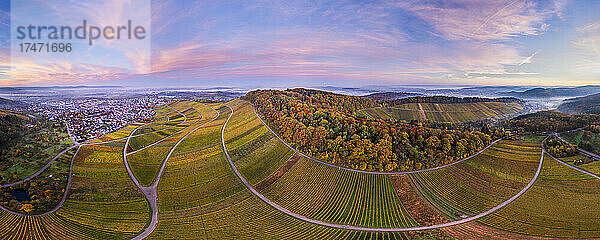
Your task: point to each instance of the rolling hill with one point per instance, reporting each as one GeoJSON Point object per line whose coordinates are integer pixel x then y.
{"type": "Point", "coordinates": [555, 92]}
{"type": "Point", "coordinates": [588, 104]}
{"type": "Point", "coordinates": [386, 96]}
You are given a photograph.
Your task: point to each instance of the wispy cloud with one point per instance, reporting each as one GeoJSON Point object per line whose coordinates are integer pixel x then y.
{"type": "Point", "coordinates": [482, 20]}
{"type": "Point", "coordinates": [424, 41]}
{"type": "Point", "coordinates": [528, 59]}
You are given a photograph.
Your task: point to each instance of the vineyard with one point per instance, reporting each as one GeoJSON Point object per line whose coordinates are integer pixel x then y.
{"type": "Point", "coordinates": [102, 203]}
{"type": "Point", "coordinates": [336, 195]}
{"type": "Point", "coordinates": [199, 176]}
{"type": "Point", "coordinates": [255, 151]}
{"type": "Point", "coordinates": [244, 216]}
{"type": "Point", "coordinates": [482, 182]}
{"type": "Point", "coordinates": [154, 147]}
{"type": "Point", "coordinates": [566, 205]}
{"type": "Point", "coordinates": [443, 112]}
{"type": "Point", "coordinates": [199, 195]}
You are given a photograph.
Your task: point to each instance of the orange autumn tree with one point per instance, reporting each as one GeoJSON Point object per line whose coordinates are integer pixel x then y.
{"type": "Point", "coordinates": [323, 125]}
{"type": "Point", "coordinates": [27, 208]}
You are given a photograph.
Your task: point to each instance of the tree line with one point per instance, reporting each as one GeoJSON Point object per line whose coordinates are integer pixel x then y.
{"type": "Point", "coordinates": [551, 121]}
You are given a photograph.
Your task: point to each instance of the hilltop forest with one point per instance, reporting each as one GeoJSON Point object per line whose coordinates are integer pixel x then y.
{"type": "Point", "coordinates": [322, 124]}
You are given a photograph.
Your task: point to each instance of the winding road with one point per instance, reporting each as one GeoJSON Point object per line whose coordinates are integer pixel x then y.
{"type": "Point", "coordinates": [151, 191]}
{"type": "Point", "coordinates": [348, 227]}
{"type": "Point", "coordinates": [76, 144]}
{"type": "Point", "coordinates": [64, 198]}
{"type": "Point", "coordinates": [361, 171]}
{"type": "Point", "coordinates": [573, 167]}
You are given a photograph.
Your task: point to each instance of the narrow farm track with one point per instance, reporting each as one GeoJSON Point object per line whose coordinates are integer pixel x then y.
{"type": "Point", "coordinates": [164, 138]}
{"type": "Point", "coordinates": [151, 191]}
{"type": "Point", "coordinates": [361, 171]}
{"type": "Point", "coordinates": [581, 150]}
{"type": "Point", "coordinates": [41, 170]}
{"type": "Point", "coordinates": [573, 167]}
{"type": "Point", "coordinates": [348, 227]}
{"type": "Point", "coordinates": [64, 198]}
{"type": "Point", "coordinates": [78, 145]}
{"type": "Point", "coordinates": [422, 113]}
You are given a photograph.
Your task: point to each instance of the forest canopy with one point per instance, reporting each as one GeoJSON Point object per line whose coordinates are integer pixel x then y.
{"type": "Point", "coordinates": [322, 124]}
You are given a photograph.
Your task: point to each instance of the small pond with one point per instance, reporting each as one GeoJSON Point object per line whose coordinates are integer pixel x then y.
{"type": "Point", "coordinates": [20, 194]}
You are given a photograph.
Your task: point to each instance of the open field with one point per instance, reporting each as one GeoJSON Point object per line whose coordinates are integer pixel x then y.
{"type": "Point", "coordinates": [562, 203]}
{"type": "Point", "coordinates": [443, 112]}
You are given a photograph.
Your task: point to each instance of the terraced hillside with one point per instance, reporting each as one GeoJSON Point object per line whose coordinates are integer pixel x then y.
{"type": "Point", "coordinates": [153, 147]}
{"type": "Point", "coordinates": [201, 197]}
{"type": "Point", "coordinates": [482, 182]}
{"type": "Point", "coordinates": [562, 203]}
{"type": "Point", "coordinates": [217, 172]}
{"type": "Point", "coordinates": [443, 112]}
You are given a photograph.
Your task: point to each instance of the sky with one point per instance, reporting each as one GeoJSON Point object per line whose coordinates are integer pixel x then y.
{"type": "Point", "coordinates": [314, 43]}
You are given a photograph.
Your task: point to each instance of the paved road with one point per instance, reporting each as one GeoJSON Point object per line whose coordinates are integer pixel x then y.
{"type": "Point", "coordinates": [355, 170]}
{"type": "Point", "coordinates": [162, 139]}
{"type": "Point", "coordinates": [306, 219]}
{"type": "Point", "coordinates": [581, 150]}
{"type": "Point", "coordinates": [43, 169]}
{"type": "Point", "coordinates": [573, 167]}
{"type": "Point", "coordinates": [62, 201]}
{"type": "Point", "coordinates": [151, 191]}
{"type": "Point", "coordinates": [76, 144]}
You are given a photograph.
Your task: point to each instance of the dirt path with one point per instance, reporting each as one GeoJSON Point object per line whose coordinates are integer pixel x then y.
{"type": "Point", "coordinates": [306, 219]}
{"type": "Point", "coordinates": [422, 113]}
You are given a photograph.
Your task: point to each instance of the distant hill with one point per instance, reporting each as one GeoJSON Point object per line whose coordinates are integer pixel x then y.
{"type": "Point", "coordinates": [588, 104]}
{"type": "Point", "coordinates": [9, 104]}
{"type": "Point", "coordinates": [386, 96]}
{"type": "Point", "coordinates": [555, 92]}
{"type": "Point", "coordinates": [5, 101]}
{"type": "Point", "coordinates": [446, 99]}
